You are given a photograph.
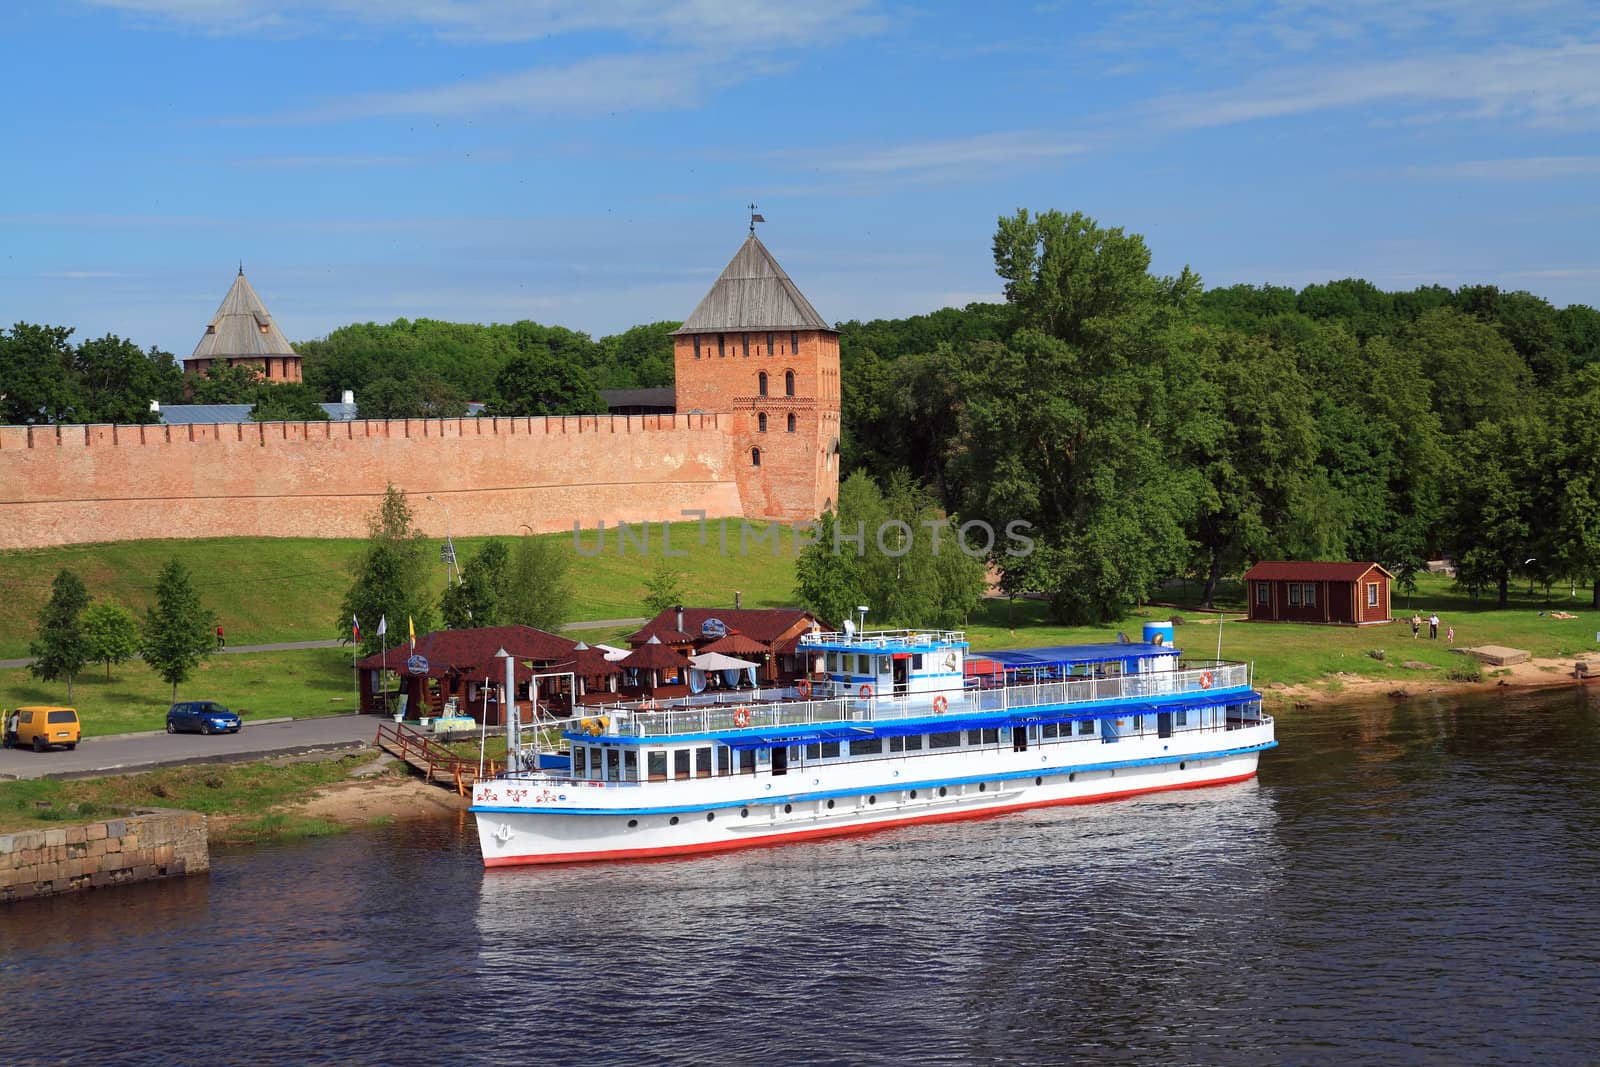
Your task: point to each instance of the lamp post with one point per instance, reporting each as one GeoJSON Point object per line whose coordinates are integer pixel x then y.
{"type": "Point", "coordinates": [450, 546]}
{"type": "Point", "coordinates": [1532, 559]}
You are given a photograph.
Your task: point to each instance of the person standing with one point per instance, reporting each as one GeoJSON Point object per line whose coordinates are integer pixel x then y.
{"type": "Point", "coordinates": [1433, 627]}
{"type": "Point", "coordinates": [222, 642]}
{"type": "Point", "coordinates": [1450, 635]}
{"type": "Point", "coordinates": [1416, 625]}
{"type": "Point", "coordinates": [10, 729]}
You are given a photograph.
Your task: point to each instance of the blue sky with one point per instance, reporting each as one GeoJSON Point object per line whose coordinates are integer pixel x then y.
{"type": "Point", "coordinates": [588, 164]}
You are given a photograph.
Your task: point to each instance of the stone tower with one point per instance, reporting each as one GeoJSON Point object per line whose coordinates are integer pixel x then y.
{"type": "Point", "coordinates": [242, 331]}
{"type": "Point", "coordinates": [756, 347]}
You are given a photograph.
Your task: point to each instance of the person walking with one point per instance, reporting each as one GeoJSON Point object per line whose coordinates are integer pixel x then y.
{"type": "Point", "coordinates": [1450, 635]}
{"type": "Point", "coordinates": [1433, 627]}
{"type": "Point", "coordinates": [1416, 625]}
{"type": "Point", "coordinates": [222, 642]}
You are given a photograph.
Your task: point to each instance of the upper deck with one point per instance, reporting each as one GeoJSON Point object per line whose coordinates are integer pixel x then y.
{"type": "Point", "coordinates": [871, 641]}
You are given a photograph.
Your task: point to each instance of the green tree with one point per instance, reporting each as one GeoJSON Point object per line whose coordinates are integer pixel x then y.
{"type": "Point", "coordinates": [539, 587]}
{"type": "Point", "coordinates": [112, 632]}
{"type": "Point", "coordinates": [177, 628]}
{"type": "Point", "coordinates": [828, 572]}
{"type": "Point", "coordinates": [419, 395]}
{"type": "Point", "coordinates": [664, 588]}
{"type": "Point", "coordinates": [1496, 481]}
{"type": "Point", "coordinates": [390, 575]}
{"type": "Point", "coordinates": [639, 358]}
{"type": "Point", "coordinates": [117, 381]}
{"type": "Point", "coordinates": [61, 648]}
{"type": "Point", "coordinates": [1475, 372]}
{"type": "Point", "coordinates": [287, 402]}
{"type": "Point", "coordinates": [481, 597]}
{"type": "Point", "coordinates": [1575, 547]}
{"type": "Point", "coordinates": [222, 383]}
{"type": "Point", "coordinates": [38, 382]}
{"type": "Point", "coordinates": [540, 383]}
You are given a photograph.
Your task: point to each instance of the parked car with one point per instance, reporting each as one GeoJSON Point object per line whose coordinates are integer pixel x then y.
{"type": "Point", "coordinates": [202, 716]}
{"type": "Point", "coordinates": [45, 726]}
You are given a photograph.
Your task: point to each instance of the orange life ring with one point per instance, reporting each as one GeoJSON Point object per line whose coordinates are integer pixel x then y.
{"type": "Point", "coordinates": [741, 717]}
{"type": "Point", "coordinates": [939, 704]}
{"type": "Point", "coordinates": [1205, 679]}
{"type": "Point", "coordinates": [804, 688]}
{"type": "Point", "coordinates": [866, 691]}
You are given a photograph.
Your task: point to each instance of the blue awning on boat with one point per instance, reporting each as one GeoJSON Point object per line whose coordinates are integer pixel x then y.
{"type": "Point", "coordinates": [1061, 655]}
{"type": "Point", "coordinates": [800, 735]}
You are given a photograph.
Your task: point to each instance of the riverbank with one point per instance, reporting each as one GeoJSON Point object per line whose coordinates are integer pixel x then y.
{"type": "Point", "coordinates": [1341, 688]}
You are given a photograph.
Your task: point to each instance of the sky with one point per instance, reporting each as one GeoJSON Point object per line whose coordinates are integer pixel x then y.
{"type": "Point", "coordinates": [589, 164]}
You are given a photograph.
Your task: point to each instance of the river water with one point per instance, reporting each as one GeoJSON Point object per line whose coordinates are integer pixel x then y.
{"type": "Point", "coordinates": [1414, 882]}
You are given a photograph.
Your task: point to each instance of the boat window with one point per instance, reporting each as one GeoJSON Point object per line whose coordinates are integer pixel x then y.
{"type": "Point", "coordinates": [680, 763]}
{"type": "Point", "coordinates": [867, 747]}
{"type": "Point", "coordinates": [814, 751]}
{"type": "Point", "coordinates": [630, 766]}
{"type": "Point", "coordinates": [974, 737]}
{"type": "Point", "coordinates": [1180, 718]}
{"type": "Point", "coordinates": [1086, 728]}
{"type": "Point", "coordinates": [1049, 730]}
{"type": "Point", "coordinates": [702, 762]}
{"type": "Point", "coordinates": [1138, 723]}
{"type": "Point", "coordinates": [947, 739]}
{"type": "Point", "coordinates": [747, 761]}
{"type": "Point", "coordinates": [916, 661]}
{"type": "Point", "coordinates": [580, 762]}
{"type": "Point", "coordinates": [830, 749]}
{"type": "Point", "coordinates": [656, 763]}
{"type": "Point", "coordinates": [991, 736]}
{"type": "Point", "coordinates": [613, 765]}
{"type": "Point", "coordinates": [863, 663]}
{"type": "Point", "coordinates": [724, 760]}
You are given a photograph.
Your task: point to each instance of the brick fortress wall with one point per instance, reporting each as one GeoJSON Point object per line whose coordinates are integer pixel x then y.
{"type": "Point", "coordinates": [77, 484]}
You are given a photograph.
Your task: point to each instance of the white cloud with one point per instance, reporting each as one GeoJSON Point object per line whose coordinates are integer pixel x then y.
{"type": "Point", "coordinates": [987, 151]}
{"type": "Point", "coordinates": [1540, 86]}
{"type": "Point", "coordinates": [1534, 168]}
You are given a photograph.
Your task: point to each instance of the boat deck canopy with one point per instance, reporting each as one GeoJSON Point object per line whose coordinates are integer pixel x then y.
{"type": "Point", "coordinates": [1061, 655]}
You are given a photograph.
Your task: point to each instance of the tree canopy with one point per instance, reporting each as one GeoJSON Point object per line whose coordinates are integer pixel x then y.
{"type": "Point", "coordinates": [61, 648]}
{"type": "Point", "coordinates": [389, 576]}
{"type": "Point", "coordinates": [177, 627]}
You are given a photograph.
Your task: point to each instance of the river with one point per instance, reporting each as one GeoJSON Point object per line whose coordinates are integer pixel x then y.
{"type": "Point", "coordinates": [1412, 882]}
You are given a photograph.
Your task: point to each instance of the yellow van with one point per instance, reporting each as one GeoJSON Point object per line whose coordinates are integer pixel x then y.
{"type": "Point", "coordinates": [44, 726]}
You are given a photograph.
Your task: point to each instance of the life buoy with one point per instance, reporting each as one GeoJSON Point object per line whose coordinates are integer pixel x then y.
{"type": "Point", "coordinates": [866, 691]}
{"type": "Point", "coordinates": [939, 705]}
{"type": "Point", "coordinates": [1205, 679]}
{"type": "Point", "coordinates": [741, 717]}
{"type": "Point", "coordinates": [804, 688]}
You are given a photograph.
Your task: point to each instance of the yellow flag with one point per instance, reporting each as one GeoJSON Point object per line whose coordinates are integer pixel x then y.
{"type": "Point", "coordinates": [411, 628]}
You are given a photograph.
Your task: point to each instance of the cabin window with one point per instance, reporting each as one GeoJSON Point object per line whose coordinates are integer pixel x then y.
{"type": "Point", "coordinates": [761, 422]}
{"type": "Point", "coordinates": [702, 762]}
{"type": "Point", "coordinates": [1372, 594]}
{"type": "Point", "coordinates": [630, 766]}
{"type": "Point", "coordinates": [947, 739]}
{"type": "Point", "coordinates": [580, 762]}
{"type": "Point", "coordinates": [722, 341]}
{"type": "Point", "coordinates": [725, 760]}
{"type": "Point", "coordinates": [761, 384]}
{"type": "Point", "coordinates": [830, 749]}
{"type": "Point", "coordinates": [791, 422]}
{"type": "Point", "coordinates": [747, 761]}
{"type": "Point", "coordinates": [916, 661]}
{"type": "Point", "coordinates": [911, 743]}
{"type": "Point", "coordinates": [863, 663]}
{"type": "Point", "coordinates": [1180, 718]}
{"type": "Point", "coordinates": [866, 747]}
{"type": "Point", "coordinates": [680, 763]}
{"type": "Point", "coordinates": [696, 346]}
{"type": "Point", "coordinates": [1263, 593]}
{"type": "Point", "coordinates": [746, 346]}
{"type": "Point", "coordinates": [788, 383]}
{"type": "Point", "coordinates": [1310, 595]}
{"type": "Point", "coordinates": [814, 750]}
{"type": "Point", "coordinates": [613, 765]}
{"type": "Point", "coordinates": [1086, 728]}
{"type": "Point", "coordinates": [1294, 594]}
{"type": "Point", "coordinates": [974, 737]}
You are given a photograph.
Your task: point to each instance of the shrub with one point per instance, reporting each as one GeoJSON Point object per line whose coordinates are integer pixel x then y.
{"type": "Point", "coordinates": [1176, 620]}
{"type": "Point", "coordinates": [1376, 653]}
{"type": "Point", "coordinates": [1468, 670]}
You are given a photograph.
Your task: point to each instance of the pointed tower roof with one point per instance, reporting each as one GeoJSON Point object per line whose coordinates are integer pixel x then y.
{"type": "Point", "coordinates": [242, 327]}
{"type": "Point", "coordinates": [753, 293]}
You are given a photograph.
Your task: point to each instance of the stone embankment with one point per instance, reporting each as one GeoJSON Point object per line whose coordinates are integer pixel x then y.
{"type": "Point", "coordinates": [137, 848]}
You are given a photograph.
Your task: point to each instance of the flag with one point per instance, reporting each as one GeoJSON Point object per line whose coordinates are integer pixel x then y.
{"type": "Point", "coordinates": [411, 629]}
{"type": "Point", "coordinates": [355, 628]}
{"type": "Point", "coordinates": [383, 625]}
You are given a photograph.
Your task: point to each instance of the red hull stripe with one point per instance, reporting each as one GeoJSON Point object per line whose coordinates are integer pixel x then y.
{"type": "Point", "coordinates": [839, 831]}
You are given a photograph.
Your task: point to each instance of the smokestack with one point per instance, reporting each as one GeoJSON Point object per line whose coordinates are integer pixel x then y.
{"type": "Point", "coordinates": [348, 398]}
{"type": "Point", "coordinates": [680, 618]}
{"type": "Point", "coordinates": [155, 405]}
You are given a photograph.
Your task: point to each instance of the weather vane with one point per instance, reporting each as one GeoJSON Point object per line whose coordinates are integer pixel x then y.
{"type": "Point", "coordinates": [754, 218]}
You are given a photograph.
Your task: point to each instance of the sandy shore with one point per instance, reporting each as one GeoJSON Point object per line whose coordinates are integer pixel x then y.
{"type": "Point", "coordinates": [360, 800]}
{"type": "Point", "coordinates": [1534, 674]}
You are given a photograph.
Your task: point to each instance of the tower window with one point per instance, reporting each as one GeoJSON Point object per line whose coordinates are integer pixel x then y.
{"type": "Point", "coordinates": [746, 346]}
{"type": "Point", "coordinates": [769, 344]}
{"type": "Point", "coordinates": [761, 422]}
{"type": "Point", "coordinates": [721, 342]}
{"type": "Point", "coordinates": [755, 457]}
{"type": "Point", "coordinates": [788, 383]}
{"type": "Point", "coordinates": [791, 422]}
{"type": "Point", "coordinates": [696, 346]}
{"type": "Point", "coordinates": [794, 341]}
{"type": "Point", "coordinates": [761, 383]}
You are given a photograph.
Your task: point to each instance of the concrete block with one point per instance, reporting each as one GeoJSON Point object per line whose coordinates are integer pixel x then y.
{"type": "Point", "coordinates": [116, 828]}
{"type": "Point", "coordinates": [76, 835]}
{"type": "Point", "coordinates": [95, 831]}
{"type": "Point", "coordinates": [55, 837]}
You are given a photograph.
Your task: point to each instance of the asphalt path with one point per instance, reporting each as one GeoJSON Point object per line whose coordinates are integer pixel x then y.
{"type": "Point", "coordinates": [128, 753]}
{"type": "Point", "coordinates": [290, 646]}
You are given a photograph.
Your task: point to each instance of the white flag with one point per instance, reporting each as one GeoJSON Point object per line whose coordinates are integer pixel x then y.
{"type": "Point", "coordinates": [383, 625]}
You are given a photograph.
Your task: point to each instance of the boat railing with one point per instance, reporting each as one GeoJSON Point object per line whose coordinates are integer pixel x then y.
{"type": "Point", "coordinates": [869, 639]}
{"type": "Point", "coordinates": [640, 720]}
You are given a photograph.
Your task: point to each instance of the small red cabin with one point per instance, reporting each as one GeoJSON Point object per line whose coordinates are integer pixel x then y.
{"type": "Point", "coordinates": [1346, 594]}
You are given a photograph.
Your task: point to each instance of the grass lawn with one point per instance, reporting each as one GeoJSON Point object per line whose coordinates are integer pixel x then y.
{"type": "Point", "coordinates": [266, 590]}
{"type": "Point", "coordinates": [304, 683]}
{"type": "Point", "coordinates": [233, 789]}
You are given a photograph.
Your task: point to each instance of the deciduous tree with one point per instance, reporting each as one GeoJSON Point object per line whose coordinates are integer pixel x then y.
{"type": "Point", "coordinates": [390, 575]}
{"type": "Point", "coordinates": [539, 586]}
{"type": "Point", "coordinates": [112, 632]}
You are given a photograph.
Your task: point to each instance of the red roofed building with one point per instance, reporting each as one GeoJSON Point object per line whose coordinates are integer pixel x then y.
{"type": "Point", "coordinates": [1347, 594]}
{"type": "Point", "coordinates": [735, 631]}
{"type": "Point", "coordinates": [461, 665]}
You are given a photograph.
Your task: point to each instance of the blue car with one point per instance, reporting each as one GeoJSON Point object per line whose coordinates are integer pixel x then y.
{"type": "Point", "coordinates": [202, 716]}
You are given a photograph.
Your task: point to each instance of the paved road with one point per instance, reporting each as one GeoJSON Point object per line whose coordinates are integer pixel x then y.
{"type": "Point", "coordinates": [290, 646]}
{"type": "Point", "coordinates": [126, 753]}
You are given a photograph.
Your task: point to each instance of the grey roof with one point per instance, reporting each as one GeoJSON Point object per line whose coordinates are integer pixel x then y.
{"type": "Point", "coordinates": [242, 328]}
{"type": "Point", "coordinates": [753, 293]}
{"type": "Point", "coordinates": [196, 414]}
{"type": "Point", "coordinates": [640, 398]}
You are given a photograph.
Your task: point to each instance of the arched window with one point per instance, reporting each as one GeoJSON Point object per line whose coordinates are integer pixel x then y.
{"type": "Point", "coordinates": [761, 383]}
{"type": "Point", "coordinates": [761, 422]}
{"type": "Point", "coordinates": [791, 422]}
{"type": "Point", "coordinates": [788, 383]}
{"type": "Point", "coordinates": [755, 457]}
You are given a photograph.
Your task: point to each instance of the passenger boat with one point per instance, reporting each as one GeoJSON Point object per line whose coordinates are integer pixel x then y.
{"type": "Point", "coordinates": [899, 727]}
